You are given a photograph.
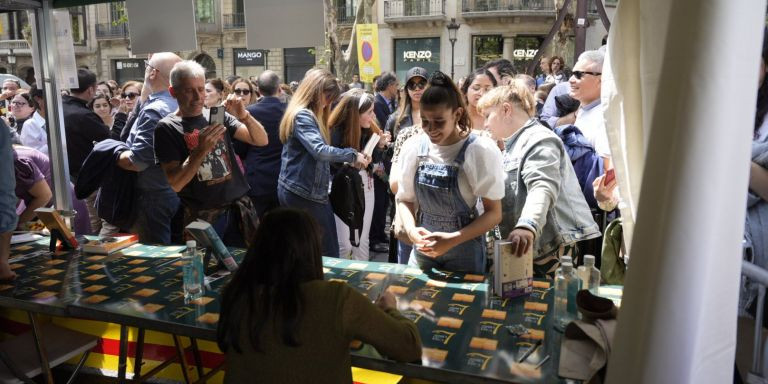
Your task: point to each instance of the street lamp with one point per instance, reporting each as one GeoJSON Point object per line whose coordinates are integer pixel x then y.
{"type": "Point", "coordinates": [11, 61]}
{"type": "Point", "coordinates": [453, 27]}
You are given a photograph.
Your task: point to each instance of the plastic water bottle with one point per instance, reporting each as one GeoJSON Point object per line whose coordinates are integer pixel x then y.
{"type": "Point", "coordinates": [192, 266]}
{"type": "Point", "coordinates": [589, 274]}
{"type": "Point", "coordinates": [566, 287]}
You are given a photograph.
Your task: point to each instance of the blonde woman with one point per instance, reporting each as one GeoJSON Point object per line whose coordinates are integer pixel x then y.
{"type": "Point", "coordinates": [305, 173]}
{"type": "Point", "coordinates": [543, 206]}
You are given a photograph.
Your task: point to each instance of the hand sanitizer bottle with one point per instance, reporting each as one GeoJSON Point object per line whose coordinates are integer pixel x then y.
{"type": "Point", "coordinates": [566, 287]}
{"type": "Point", "coordinates": [589, 275]}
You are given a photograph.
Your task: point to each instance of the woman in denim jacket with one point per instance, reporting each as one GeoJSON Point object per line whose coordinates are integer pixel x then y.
{"type": "Point", "coordinates": [543, 207]}
{"type": "Point", "coordinates": [305, 173]}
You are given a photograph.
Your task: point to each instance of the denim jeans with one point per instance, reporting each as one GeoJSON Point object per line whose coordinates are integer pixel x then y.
{"type": "Point", "coordinates": [156, 211]}
{"type": "Point", "coordinates": [323, 213]}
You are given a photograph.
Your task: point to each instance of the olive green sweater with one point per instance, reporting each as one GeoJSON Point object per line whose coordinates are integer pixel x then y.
{"type": "Point", "coordinates": [334, 315]}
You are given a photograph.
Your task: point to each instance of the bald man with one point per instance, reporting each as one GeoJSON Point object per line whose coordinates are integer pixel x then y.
{"type": "Point", "coordinates": [157, 202]}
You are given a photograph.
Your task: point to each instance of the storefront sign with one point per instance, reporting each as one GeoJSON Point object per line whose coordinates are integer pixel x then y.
{"type": "Point", "coordinates": [417, 55]}
{"type": "Point", "coordinates": [524, 53]}
{"type": "Point", "coordinates": [249, 57]}
{"type": "Point", "coordinates": [421, 52]}
{"type": "Point", "coordinates": [368, 52]}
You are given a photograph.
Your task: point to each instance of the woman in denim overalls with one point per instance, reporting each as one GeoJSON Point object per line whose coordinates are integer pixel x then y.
{"type": "Point", "coordinates": [445, 172]}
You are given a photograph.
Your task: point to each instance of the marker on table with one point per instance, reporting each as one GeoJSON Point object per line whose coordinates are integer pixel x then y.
{"type": "Point", "coordinates": [530, 351]}
{"type": "Point", "coordinates": [544, 360]}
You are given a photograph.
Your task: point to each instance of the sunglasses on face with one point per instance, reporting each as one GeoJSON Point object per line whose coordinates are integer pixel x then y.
{"type": "Point", "coordinates": [417, 85]}
{"type": "Point", "coordinates": [579, 74]}
{"type": "Point", "coordinates": [18, 103]}
{"type": "Point", "coordinates": [242, 91]}
{"type": "Point", "coordinates": [130, 96]}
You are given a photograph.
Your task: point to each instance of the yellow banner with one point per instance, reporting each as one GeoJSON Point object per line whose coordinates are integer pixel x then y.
{"type": "Point", "coordinates": [368, 51]}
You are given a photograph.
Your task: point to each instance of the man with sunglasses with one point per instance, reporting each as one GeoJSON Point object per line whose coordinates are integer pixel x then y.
{"type": "Point", "coordinates": [585, 87]}
{"type": "Point", "coordinates": [157, 202]}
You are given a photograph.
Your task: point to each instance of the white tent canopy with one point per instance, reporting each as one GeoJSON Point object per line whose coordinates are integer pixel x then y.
{"type": "Point", "coordinates": [679, 88]}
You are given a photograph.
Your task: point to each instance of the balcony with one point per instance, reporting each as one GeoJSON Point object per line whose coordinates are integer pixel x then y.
{"type": "Point", "coordinates": [345, 15]}
{"type": "Point", "coordinates": [402, 11]}
{"type": "Point", "coordinates": [107, 31]}
{"type": "Point", "coordinates": [234, 21]}
{"type": "Point", "coordinates": [15, 46]}
{"type": "Point", "coordinates": [501, 8]}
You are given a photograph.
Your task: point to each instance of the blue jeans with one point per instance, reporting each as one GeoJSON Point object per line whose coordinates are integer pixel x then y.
{"type": "Point", "coordinates": [323, 213]}
{"type": "Point", "coordinates": [156, 211]}
{"type": "Point", "coordinates": [403, 252]}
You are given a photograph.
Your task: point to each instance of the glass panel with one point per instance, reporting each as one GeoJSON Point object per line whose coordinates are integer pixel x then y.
{"type": "Point", "coordinates": [204, 11]}
{"type": "Point", "coordinates": [485, 49]}
{"type": "Point", "coordinates": [411, 53]}
{"type": "Point", "coordinates": [526, 48]}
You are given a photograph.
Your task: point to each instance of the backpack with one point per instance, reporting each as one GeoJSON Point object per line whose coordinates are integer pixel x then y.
{"type": "Point", "coordinates": [348, 200]}
{"type": "Point", "coordinates": [587, 164]}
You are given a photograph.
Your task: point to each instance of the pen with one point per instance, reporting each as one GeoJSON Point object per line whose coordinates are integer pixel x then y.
{"type": "Point", "coordinates": [544, 360]}
{"type": "Point", "coordinates": [530, 351]}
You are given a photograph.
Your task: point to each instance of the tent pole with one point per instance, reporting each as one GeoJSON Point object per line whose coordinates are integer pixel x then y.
{"type": "Point", "coordinates": [54, 117]}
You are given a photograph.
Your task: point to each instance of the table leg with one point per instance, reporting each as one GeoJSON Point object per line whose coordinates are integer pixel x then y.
{"type": "Point", "coordinates": [123, 357]}
{"type": "Point", "coordinates": [41, 352]}
{"type": "Point", "coordinates": [198, 358]}
{"type": "Point", "coordinates": [139, 356]}
{"type": "Point", "coordinates": [182, 358]}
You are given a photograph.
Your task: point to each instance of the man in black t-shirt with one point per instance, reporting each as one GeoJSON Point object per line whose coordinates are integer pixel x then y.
{"type": "Point", "coordinates": [199, 160]}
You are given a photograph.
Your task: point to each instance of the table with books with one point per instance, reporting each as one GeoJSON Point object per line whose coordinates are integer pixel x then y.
{"type": "Point", "coordinates": [467, 334]}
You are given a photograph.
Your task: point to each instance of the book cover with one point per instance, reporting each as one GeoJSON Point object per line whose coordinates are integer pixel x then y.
{"type": "Point", "coordinates": [109, 244]}
{"type": "Point", "coordinates": [55, 222]}
{"type": "Point", "coordinates": [513, 276]}
{"type": "Point", "coordinates": [371, 144]}
{"type": "Point", "coordinates": [206, 236]}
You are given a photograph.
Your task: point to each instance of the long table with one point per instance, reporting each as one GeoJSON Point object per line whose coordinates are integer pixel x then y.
{"type": "Point", "coordinates": [465, 331]}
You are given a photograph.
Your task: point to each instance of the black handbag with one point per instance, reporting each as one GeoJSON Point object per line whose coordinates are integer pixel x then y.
{"type": "Point", "coordinates": [348, 201]}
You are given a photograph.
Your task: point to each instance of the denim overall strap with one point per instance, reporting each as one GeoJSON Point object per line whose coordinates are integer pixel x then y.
{"type": "Point", "coordinates": [442, 209]}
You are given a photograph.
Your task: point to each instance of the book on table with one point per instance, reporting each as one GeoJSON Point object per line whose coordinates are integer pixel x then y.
{"type": "Point", "coordinates": [512, 275]}
{"type": "Point", "coordinates": [109, 244]}
{"type": "Point", "coordinates": [55, 223]}
{"type": "Point", "coordinates": [206, 236]}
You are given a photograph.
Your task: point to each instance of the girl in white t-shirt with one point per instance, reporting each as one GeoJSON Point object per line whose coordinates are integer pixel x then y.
{"type": "Point", "coordinates": [445, 172]}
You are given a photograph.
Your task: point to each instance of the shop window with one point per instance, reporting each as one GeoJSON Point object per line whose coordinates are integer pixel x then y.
{"type": "Point", "coordinates": [486, 48]}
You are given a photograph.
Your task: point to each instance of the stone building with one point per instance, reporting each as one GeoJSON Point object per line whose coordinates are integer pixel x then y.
{"type": "Point", "coordinates": [411, 32]}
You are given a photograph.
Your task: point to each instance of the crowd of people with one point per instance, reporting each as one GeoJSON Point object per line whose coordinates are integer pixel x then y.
{"type": "Point", "coordinates": [455, 164]}
{"type": "Point", "coordinates": [322, 168]}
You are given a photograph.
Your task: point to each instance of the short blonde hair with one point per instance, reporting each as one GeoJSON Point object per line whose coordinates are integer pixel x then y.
{"type": "Point", "coordinates": [517, 94]}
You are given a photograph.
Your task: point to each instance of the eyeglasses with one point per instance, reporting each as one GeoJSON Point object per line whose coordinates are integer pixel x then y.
{"type": "Point", "coordinates": [579, 74]}
{"type": "Point", "coordinates": [242, 91]}
{"type": "Point", "coordinates": [146, 63]}
{"type": "Point", "coordinates": [18, 103]}
{"type": "Point", "coordinates": [129, 96]}
{"type": "Point", "coordinates": [417, 85]}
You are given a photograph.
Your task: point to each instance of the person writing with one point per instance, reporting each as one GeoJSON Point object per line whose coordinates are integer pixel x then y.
{"type": "Point", "coordinates": [278, 310]}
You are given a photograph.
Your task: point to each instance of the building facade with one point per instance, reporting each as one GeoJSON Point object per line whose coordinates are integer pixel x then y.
{"type": "Point", "coordinates": [411, 33]}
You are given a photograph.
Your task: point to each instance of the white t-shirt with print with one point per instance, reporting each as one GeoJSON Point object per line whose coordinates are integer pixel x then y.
{"type": "Point", "coordinates": [480, 176]}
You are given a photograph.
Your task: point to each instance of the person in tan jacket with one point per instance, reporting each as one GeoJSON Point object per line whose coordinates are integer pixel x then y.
{"type": "Point", "coordinates": [282, 323]}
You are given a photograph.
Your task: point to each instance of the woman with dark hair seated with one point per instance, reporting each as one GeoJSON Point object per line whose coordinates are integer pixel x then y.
{"type": "Point", "coordinates": [278, 312]}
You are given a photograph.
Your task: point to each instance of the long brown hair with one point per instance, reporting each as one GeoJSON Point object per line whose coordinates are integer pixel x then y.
{"type": "Point", "coordinates": [316, 82]}
{"type": "Point", "coordinates": [346, 117]}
